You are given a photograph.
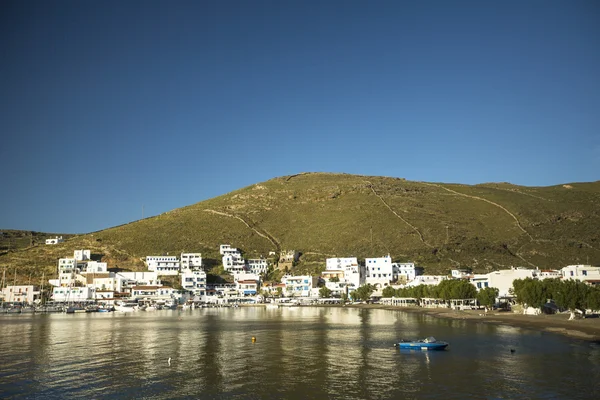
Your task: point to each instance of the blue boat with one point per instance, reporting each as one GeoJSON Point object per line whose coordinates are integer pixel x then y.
{"type": "Point", "coordinates": [426, 344]}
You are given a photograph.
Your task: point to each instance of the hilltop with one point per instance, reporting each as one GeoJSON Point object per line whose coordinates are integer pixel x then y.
{"type": "Point", "coordinates": [437, 225]}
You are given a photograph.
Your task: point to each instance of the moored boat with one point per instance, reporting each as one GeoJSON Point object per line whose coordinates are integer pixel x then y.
{"type": "Point", "coordinates": [429, 343]}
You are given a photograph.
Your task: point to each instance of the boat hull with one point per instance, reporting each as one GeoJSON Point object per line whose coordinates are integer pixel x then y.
{"type": "Point", "coordinates": [422, 345]}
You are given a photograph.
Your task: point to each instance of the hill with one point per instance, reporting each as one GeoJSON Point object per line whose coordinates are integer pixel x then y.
{"type": "Point", "coordinates": [437, 225]}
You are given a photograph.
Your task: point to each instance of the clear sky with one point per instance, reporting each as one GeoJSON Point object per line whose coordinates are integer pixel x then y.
{"type": "Point", "coordinates": [111, 108]}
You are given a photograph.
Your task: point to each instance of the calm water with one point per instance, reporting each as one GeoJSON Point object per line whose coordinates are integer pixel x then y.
{"type": "Point", "coordinates": [299, 353]}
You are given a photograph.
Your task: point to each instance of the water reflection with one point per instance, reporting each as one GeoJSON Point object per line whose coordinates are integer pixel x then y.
{"type": "Point", "coordinates": [299, 353]}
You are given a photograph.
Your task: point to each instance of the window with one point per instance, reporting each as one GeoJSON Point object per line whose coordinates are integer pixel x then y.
{"type": "Point", "coordinates": [584, 273]}
{"type": "Point", "coordinates": [478, 285]}
{"type": "Point", "coordinates": [485, 284]}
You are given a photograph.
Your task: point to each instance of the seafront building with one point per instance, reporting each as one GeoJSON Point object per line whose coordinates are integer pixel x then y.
{"type": "Point", "coordinates": [20, 294]}
{"type": "Point", "coordinates": [379, 271]}
{"type": "Point", "coordinates": [194, 281]}
{"type": "Point", "coordinates": [502, 279]}
{"type": "Point", "coordinates": [430, 280]}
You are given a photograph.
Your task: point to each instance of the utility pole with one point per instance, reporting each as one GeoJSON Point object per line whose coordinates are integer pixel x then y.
{"type": "Point", "coordinates": [142, 211]}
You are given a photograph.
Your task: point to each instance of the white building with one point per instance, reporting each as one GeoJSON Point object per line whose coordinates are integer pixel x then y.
{"type": "Point", "coordinates": [55, 240]}
{"type": "Point", "coordinates": [191, 261]}
{"type": "Point", "coordinates": [502, 280]}
{"type": "Point", "coordinates": [297, 286]}
{"type": "Point", "coordinates": [354, 273]}
{"type": "Point", "coordinates": [153, 293]}
{"type": "Point", "coordinates": [227, 249]}
{"type": "Point", "coordinates": [459, 273]}
{"type": "Point", "coordinates": [379, 271]}
{"type": "Point", "coordinates": [21, 294]}
{"type": "Point", "coordinates": [426, 280]}
{"type": "Point", "coordinates": [95, 267]}
{"type": "Point", "coordinates": [82, 255]}
{"type": "Point", "coordinates": [130, 279]}
{"type": "Point", "coordinates": [163, 265]}
{"type": "Point", "coordinates": [405, 271]}
{"type": "Point", "coordinates": [247, 287]}
{"type": "Point", "coordinates": [67, 271]}
{"type": "Point", "coordinates": [234, 262]}
{"type": "Point", "coordinates": [194, 281]}
{"type": "Point", "coordinates": [104, 281]}
{"type": "Point", "coordinates": [549, 274]}
{"type": "Point", "coordinates": [584, 273]}
{"type": "Point", "coordinates": [73, 294]}
{"type": "Point", "coordinates": [258, 265]}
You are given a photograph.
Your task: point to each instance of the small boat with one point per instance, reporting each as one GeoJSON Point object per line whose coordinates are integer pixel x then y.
{"type": "Point", "coordinates": [429, 343]}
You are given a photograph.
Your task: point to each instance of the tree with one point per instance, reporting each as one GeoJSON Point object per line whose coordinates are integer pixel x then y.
{"type": "Point", "coordinates": [279, 292]}
{"type": "Point", "coordinates": [388, 292]}
{"type": "Point", "coordinates": [324, 292]}
{"type": "Point", "coordinates": [487, 296]}
{"type": "Point", "coordinates": [334, 279]}
{"type": "Point", "coordinates": [363, 293]}
{"type": "Point", "coordinates": [462, 289]}
{"type": "Point", "coordinates": [593, 298]}
{"type": "Point", "coordinates": [572, 295]}
{"type": "Point", "coordinates": [531, 292]}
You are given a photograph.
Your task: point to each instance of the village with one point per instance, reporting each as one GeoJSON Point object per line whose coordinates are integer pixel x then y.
{"type": "Point", "coordinates": [87, 285]}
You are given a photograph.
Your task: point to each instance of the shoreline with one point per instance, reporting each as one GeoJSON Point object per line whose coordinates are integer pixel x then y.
{"type": "Point", "coordinates": [587, 329]}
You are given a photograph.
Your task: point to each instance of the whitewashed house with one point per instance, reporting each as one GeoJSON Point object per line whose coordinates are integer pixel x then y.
{"type": "Point", "coordinates": [379, 271]}
{"type": "Point", "coordinates": [55, 240]}
{"type": "Point", "coordinates": [67, 272]}
{"type": "Point", "coordinates": [426, 280]}
{"type": "Point", "coordinates": [298, 286]}
{"type": "Point", "coordinates": [459, 273]}
{"type": "Point", "coordinates": [354, 273]}
{"type": "Point", "coordinates": [153, 293]}
{"type": "Point", "coordinates": [191, 261]}
{"type": "Point", "coordinates": [163, 265]}
{"type": "Point", "coordinates": [21, 294]}
{"type": "Point", "coordinates": [584, 273]}
{"type": "Point", "coordinates": [405, 271]}
{"type": "Point", "coordinates": [247, 287]}
{"type": "Point", "coordinates": [73, 294]}
{"type": "Point", "coordinates": [103, 281]}
{"type": "Point", "coordinates": [257, 266]}
{"type": "Point", "coordinates": [194, 281]}
{"type": "Point", "coordinates": [502, 280]}
{"type": "Point", "coordinates": [95, 267]}
{"type": "Point", "coordinates": [549, 274]}
{"type": "Point", "coordinates": [233, 262]}
{"type": "Point", "coordinates": [126, 280]}
{"type": "Point", "coordinates": [82, 255]}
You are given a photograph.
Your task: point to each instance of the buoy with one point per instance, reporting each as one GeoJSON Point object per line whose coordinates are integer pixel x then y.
{"type": "Point", "coordinates": [253, 339]}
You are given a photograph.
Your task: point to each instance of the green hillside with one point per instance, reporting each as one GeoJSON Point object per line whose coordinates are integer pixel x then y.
{"type": "Point", "coordinates": [439, 226]}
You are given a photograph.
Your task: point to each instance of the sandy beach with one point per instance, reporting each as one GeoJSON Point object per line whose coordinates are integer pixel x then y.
{"type": "Point", "coordinates": [585, 329]}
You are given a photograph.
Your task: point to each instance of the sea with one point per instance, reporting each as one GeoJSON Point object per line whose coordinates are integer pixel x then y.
{"type": "Point", "coordinates": [285, 353]}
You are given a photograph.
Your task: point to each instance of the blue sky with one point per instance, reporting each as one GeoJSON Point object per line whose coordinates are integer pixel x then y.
{"type": "Point", "coordinates": [111, 107]}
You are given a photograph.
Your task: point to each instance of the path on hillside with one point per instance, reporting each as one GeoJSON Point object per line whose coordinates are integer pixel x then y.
{"type": "Point", "coordinates": [263, 234]}
{"type": "Point", "coordinates": [487, 201]}
{"type": "Point", "coordinates": [516, 254]}
{"type": "Point", "coordinates": [370, 185]}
